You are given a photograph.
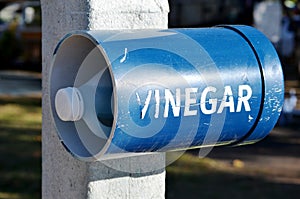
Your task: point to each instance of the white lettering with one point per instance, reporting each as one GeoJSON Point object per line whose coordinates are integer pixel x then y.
{"type": "Point", "coordinates": [170, 100]}
{"type": "Point", "coordinates": [146, 105]}
{"type": "Point", "coordinates": [189, 101]}
{"type": "Point", "coordinates": [227, 94]}
{"type": "Point", "coordinates": [244, 99]}
{"type": "Point", "coordinates": [212, 102]}
{"type": "Point", "coordinates": [208, 105]}
{"type": "Point", "coordinates": [156, 94]}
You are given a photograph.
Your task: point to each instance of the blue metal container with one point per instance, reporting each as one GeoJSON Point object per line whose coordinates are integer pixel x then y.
{"type": "Point", "coordinates": [160, 90]}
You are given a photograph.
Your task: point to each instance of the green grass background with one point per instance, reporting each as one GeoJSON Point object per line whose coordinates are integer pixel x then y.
{"type": "Point", "coordinates": [20, 148]}
{"type": "Point", "coordinates": [188, 177]}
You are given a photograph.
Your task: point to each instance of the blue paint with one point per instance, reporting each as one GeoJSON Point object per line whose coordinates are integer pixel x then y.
{"type": "Point", "coordinates": [157, 64]}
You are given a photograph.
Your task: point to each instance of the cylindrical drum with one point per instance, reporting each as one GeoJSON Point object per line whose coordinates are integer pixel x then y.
{"type": "Point", "coordinates": [131, 91]}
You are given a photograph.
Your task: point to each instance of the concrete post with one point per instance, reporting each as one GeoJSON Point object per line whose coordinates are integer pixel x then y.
{"type": "Point", "coordinates": [63, 176]}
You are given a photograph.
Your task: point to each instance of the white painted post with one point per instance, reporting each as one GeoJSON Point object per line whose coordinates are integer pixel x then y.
{"type": "Point", "coordinates": [62, 175]}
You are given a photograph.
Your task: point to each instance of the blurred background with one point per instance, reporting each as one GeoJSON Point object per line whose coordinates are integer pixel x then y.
{"type": "Point", "coordinates": [20, 35]}
{"type": "Point", "coordinates": [268, 169]}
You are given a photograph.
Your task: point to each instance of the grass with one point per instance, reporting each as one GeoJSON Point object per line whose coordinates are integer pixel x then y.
{"type": "Point", "coordinates": [20, 148]}
{"type": "Point", "coordinates": [191, 177]}
{"type": "Point", "coordinates": [188, 177]}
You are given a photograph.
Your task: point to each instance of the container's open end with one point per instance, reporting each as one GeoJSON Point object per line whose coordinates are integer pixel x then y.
{"type": "Point", "coordinates": [82, 96]}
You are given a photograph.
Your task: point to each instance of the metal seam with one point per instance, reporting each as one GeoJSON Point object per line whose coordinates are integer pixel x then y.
{"type": "Point", "coordinates": [263, 86]}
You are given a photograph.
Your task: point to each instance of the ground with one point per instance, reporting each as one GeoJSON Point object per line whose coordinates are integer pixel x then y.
{"type": "Point", "coordinates": [268, 169]}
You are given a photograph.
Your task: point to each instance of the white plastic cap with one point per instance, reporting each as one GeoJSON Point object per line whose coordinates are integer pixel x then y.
{"type": "Point", "coordinates": [69, 104]}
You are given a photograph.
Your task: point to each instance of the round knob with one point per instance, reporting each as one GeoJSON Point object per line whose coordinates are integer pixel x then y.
{"type": "Point", "coordinates": [69, 104]}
